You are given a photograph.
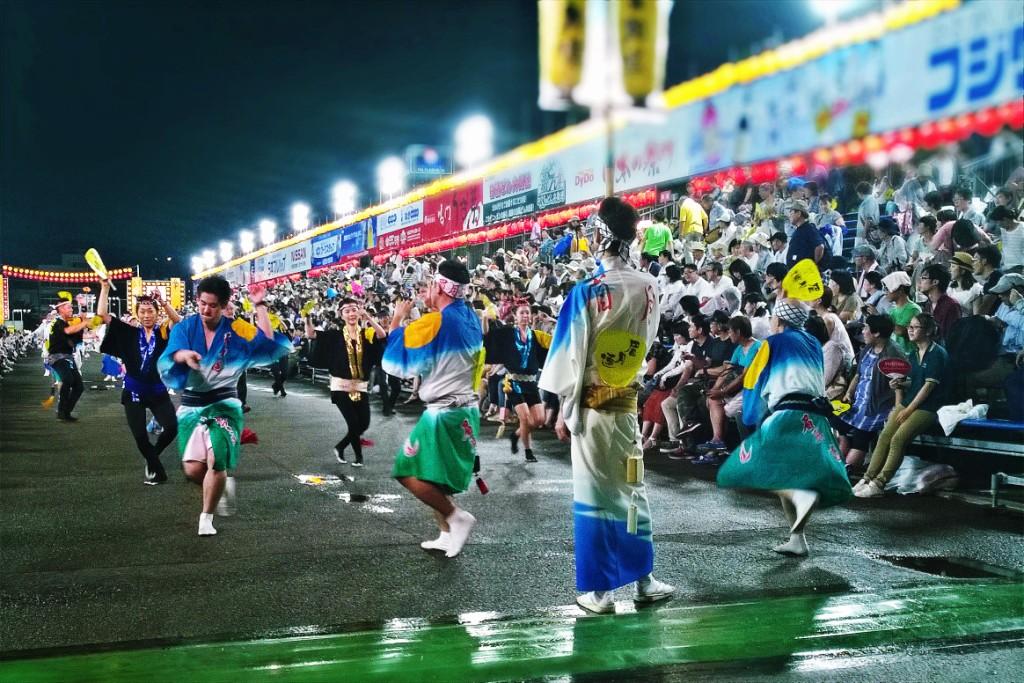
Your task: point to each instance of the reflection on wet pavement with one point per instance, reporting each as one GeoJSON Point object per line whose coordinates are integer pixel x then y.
{"type": "Point", "coordinates": [799, 633]}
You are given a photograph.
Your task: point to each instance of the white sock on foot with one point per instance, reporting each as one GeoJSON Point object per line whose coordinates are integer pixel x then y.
{"type": "Point", "coordinates": [206, 524]}
{"type": "Point", "coordinates": [440, 543]}
{"type": "Point", "coordinates": [460, 523]}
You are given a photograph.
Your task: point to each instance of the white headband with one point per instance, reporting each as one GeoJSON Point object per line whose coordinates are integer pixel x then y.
{"type": "Point", "coordinates": [449, 287]}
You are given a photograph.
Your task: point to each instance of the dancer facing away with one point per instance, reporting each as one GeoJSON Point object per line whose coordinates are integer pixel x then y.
{"type": "Point", "coordinates": [65, 335]}
{"type": "Point", "coordinates": [348, 354]}
{"type": "Point", "coordinates": [793, 452]}
{"type": "Point", "coordinates": [445, 348]}
{"type": "Point", "coordinates": [595, 364]}
{"type": "Point", "coordinates": [522, 351]}
{"type": "Point", "coordinates": [205, 356]}
{"type": "Point", "coordinates": [139, 348]}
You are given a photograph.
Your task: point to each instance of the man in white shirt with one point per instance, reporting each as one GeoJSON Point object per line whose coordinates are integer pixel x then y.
{"type": "Point", "coordinates": [695, 285]}
{"type": "Point", "coordinates": [725, 296]}
{"type": "Point", "coordinates": [962, 202]}
{"type": "Point", "coordinates": [779, 249]}
{"type": "Point", "coordinates": [864, 261]}
{"type": "Point", "coordinates": [1012, 237]}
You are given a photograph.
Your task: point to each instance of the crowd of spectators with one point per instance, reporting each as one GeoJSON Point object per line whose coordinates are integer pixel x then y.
{"type": "Point", "coordinates": [930, 265]}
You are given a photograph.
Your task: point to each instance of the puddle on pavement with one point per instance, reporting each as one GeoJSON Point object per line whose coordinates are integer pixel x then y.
{"type": "Point", "coordinates": [951, 567]}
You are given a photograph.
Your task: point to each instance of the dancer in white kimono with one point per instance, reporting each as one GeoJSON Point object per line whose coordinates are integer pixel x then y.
{"type": "Point", "coordinates": [596, 358]}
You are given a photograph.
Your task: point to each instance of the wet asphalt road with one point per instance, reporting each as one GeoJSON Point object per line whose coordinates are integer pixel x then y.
{"type": "Point", "coordinates": [89, 555]}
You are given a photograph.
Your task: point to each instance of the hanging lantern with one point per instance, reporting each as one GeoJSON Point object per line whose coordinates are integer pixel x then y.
{"type": "Point", "coordinates": [987, 122]}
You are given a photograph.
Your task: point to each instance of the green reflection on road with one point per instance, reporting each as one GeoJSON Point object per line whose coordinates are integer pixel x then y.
{"type": "Point", "coordinates": [563, 642]}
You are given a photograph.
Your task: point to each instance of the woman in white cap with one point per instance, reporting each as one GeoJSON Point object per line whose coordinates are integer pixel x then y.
{"type": "Point", "coordinates": [793, 453]}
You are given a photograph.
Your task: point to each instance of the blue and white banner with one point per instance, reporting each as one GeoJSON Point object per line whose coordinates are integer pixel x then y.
{"type": "Point", "coordinates": [326, 248]}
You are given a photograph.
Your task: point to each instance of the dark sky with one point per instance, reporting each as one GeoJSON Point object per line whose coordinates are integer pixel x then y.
{"type": "Point", "coordinates": [155, 128]}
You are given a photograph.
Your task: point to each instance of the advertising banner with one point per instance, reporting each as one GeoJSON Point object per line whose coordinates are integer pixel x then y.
{"type": "Point", "coordinates": [353, 239]}
{"type": "Point", "coordinates": [298, 258]}
{"type": "Point", "coordinates": [510, 195]}
{"type": "Point", "coordinates": [402, 217]}
{"type": "Point", "coordinates": [453, 211]}
{"type": "Point", "coordinates": [326, 249]}
{"type": "Point", "coordinates": [400, 239]}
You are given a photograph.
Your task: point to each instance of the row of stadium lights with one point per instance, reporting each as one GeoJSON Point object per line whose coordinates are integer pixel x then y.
{"type": "Point", "coordinates": [474, 144]}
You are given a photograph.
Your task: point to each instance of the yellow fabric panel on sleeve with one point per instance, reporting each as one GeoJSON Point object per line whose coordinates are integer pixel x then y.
{"type": "Point", "coordinates": [421, 332]}
{"type": "Point", "coordinates": [543, 338]}
{"type": "Point", "coordinates": [757, 366]}
{"type": "Point", "coordinates": [244, 329]}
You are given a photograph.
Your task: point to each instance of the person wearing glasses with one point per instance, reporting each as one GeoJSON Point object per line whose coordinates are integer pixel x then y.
{"type": "Point", "coordinates": [926, 387]}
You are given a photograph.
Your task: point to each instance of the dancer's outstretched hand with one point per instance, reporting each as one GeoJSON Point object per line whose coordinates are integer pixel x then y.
{"type": "Point", "coordinates": [189, 358]}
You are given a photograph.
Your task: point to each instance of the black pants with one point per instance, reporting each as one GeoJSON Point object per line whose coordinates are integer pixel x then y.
{"type": "Point", "coordinates": [71, 386]}
{"type": "Point", "coordinates": [243, 389]}
{"type": "Point", "coordinates": [390, 388]}
{"type": "Point", "coordinates": [357, 418]}
{"type": "Point", "coordinates": [163, 411]}
{"type": "Point", "coordinates": [279, 369]}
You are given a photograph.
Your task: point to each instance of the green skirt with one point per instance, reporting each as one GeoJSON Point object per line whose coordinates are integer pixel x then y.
{"type": "Point", "coordinates": [792, 449]}
{"type": "Point", "coordinates": [441, 448]}
{"type": "Point", "coordinates": [224, 422]}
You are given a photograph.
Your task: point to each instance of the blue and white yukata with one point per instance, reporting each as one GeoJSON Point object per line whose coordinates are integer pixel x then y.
{"type": "Point", "coordinates": [793, 448]}
{"type": "Point", "coordinates": [210, 409]}
{"type": "Point", "coordinates": [445, 349]}
{"type": "Point", "coordinates": [594, 365]}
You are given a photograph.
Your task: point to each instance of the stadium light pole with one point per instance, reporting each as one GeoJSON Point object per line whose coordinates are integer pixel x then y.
{"type": "Point", "coordinates": [268, 230]}
{"type": "Point", "coordinates": [829, 10]}
{"type": "Point", "coordinates": [391, 176]}
{"type": "Point", "coordinates": [227, 251]}
{"type": "Point", "coordinates": [300, 217]}
{"type": "Point", "coordinates": [474, 141]}
{"type": "Point", "coordinates": [209, 258]}
{"type": "Point", "coordinates": [344, 196]}
{"type": "Point", "coordinates": [246, 241]}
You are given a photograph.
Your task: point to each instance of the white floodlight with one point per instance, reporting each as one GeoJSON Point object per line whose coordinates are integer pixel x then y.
{"type": "Point", "coordinates": [247, 241]}
{"type": "Point", "coordinates": [391, 174]}
{"type": "Point", "coordinates": [344, 195]}
{"type": "Point", "coordinates": [268, 230]}
{"type": "Point", "coordinates": [300, 217]}
{"type": "Point", "coordinates": [209, 258]}
{"type": "Point", "coordinates": [474, 141]}
{"type": "Point", "coordinates": [227, 251]}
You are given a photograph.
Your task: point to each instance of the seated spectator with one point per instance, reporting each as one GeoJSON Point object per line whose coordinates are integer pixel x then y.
{"type": "Point", "coordinates": [867, 214]}
{"type": "Point", "coordinates": [664, 380]}
{"type": "Point", "coordinates": [897, 291]}
{"type": "Point", "coordinates": [918, 398]}
{"type": "Point", "coordinates": [672, 293]}
{"type": "Point", "coordinates": [834, 325]}
{"type": "Point", "coordinates": [933, 283]}
{"type": "Point", "coordinates": [987, 262]}
{"type": "Point", "coordinates": [1011, 235]}
{"type": "Point", "coordinates": [919, 244]}
{"type": "Point", "coordinates": [725, 398]}
{"type": "Point", "coordinates": [964, 289]}
{"type": "Point", "coordinates": [834, 357]}
{"type": "Point", "coordinates": [679, 405]}
{"type": "Point", "coordinates": [876, 301]}
{"type": "Point", "coordinates": [774, 274]}
{"type": "Point", "coordinates": [779, 249]}
{"type": "Point", "coordinates": [865, 260]}
{"type": "Point", "coordinates": [1009, 319]}
{"type": "Point", "coordinates": [892, 250]}
{"type": "Point", "coordinates": [869, 394]}
{"type": "Point", "coordinates": [844, 296]}
{"type": "Point", "coordinates": [756, 310]}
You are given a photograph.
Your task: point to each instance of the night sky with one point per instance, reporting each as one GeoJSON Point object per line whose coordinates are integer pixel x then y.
{"type": "Point", "coordinates": [151, 129]}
